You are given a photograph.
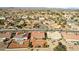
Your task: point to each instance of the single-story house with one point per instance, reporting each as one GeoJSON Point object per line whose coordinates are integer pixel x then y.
{"type": "Point", "coordinates": [37, 34]}
{"type": "Point", "coordinates": [54, 35]}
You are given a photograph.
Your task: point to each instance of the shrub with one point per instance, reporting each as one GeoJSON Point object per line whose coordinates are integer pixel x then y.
{"type": "Point", "coordinates": [60, 47]}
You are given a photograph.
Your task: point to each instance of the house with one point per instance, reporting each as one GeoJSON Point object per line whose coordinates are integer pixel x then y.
{"type": "Point", "coordinates": [21, 36]}
{"type": "Point", "coordinates": [36, 44]}
{"type": "Point", "coordinates": [39, 43]}
{"type": "Point", "coordinates": [68, 36]}
{"type": "Point", "coordinates": [18, 37]}
{"type": "Point", "coordinates": [20, 40]}
{"type": "Point", "coordinates": [54, 35]}
{"type": "Point", "coordinates": [37, 35]}
{"type": "Point", "coordinates": [4, 35]}
{"type": "Point", "coordinates": [71, 38]}
{"type": "Point", "coordinates": [15, 44]}
{"type": "Point", "coordinates": [23, 40]}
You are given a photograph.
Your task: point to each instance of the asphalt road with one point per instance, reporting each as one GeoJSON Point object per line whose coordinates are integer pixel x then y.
{"type": "Point", "coordinates": [44, 30]}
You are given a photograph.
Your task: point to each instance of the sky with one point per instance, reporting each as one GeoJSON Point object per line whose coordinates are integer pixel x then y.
{"type": "Point", "coordinates": [40, 3]}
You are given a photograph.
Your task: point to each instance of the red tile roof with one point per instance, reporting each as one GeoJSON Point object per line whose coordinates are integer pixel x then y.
{"type": "Point", "coordinates": [16, 45]}
{"type": "Point", "coordinates": [36, 34]}
{"type": "Point", "coordinates": [71, 36]}
{"type": "Point", "coordinates": [38, 42]}
{"type": "Point", "coordinates": [25, 44]}
{"type": "Point", "coordinates": [5, 35]}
